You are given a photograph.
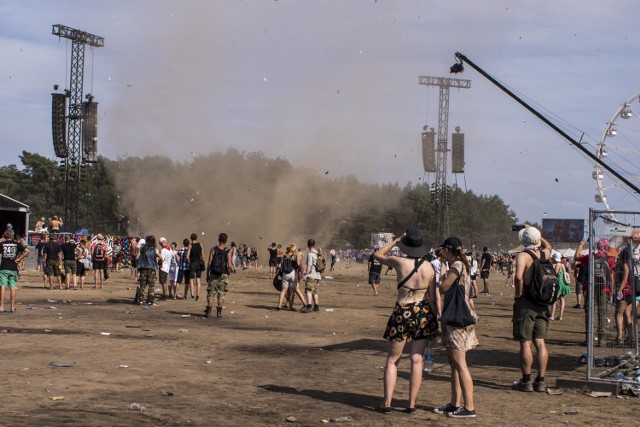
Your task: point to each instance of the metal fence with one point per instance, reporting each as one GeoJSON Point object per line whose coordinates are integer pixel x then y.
{"type": "Point", "coordinates": [611, 316]}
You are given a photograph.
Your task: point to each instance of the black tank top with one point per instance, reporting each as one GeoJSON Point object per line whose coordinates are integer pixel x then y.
{"type": "Point", "coordinates": [196, 252]}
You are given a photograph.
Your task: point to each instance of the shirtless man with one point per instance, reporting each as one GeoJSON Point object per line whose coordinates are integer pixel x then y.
{"type": "Point", "coordinates": [415, 311]}
{"type": "Point", "coordinates": [530, 320]}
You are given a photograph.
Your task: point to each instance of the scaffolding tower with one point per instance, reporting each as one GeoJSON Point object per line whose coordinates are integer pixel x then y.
{"type": "Point", "coordinates": [439, 192]}
{"type": "Point", "coordinates": [74, 159]}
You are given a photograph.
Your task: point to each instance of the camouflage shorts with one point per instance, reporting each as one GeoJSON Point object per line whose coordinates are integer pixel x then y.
{"type": "Point", "coordinates": [311, 285]}
{"type": "Point", "coordinates": [218, 286]}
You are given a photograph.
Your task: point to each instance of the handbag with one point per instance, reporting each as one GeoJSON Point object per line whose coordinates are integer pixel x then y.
{"type": "Point", "coordinates": [456, 312]}
{"type": "Point", "coordinates": [277, 281]}
{"type": "Point", "coordinates": [566, 277]}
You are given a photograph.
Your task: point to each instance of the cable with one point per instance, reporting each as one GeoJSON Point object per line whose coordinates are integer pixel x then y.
{"type": "Point", "coordinates": [92, 57]}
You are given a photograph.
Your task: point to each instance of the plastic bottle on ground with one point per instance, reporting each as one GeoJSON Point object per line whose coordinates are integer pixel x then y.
{"type": "Point", "coordinates": [428, 357]}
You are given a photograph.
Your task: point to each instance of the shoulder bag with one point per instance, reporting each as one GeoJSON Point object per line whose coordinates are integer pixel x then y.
{"type": "Point", "coordinates": [456, 312]}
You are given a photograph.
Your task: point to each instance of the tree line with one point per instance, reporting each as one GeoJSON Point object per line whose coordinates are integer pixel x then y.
{"type": "Point", "coordinates": [252, 197]}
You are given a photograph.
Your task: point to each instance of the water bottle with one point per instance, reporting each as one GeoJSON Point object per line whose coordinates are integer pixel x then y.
{"type": "Point", "coordinates": [428, 357]}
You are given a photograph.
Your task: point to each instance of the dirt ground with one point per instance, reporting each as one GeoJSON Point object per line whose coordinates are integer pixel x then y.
{"type": "Point", "coordinates": [258, 366]}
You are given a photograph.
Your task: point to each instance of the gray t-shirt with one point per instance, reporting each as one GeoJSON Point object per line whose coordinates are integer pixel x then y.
{"type": "Point", "coordinates": [312, 258]}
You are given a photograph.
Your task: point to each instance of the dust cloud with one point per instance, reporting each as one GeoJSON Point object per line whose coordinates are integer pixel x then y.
{"type": "Point", "coordinates": [254, 199]}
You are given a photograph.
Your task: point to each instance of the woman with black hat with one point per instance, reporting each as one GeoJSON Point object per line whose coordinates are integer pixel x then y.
{"type": "Point", "coordinates": [414, 316]}
{"type": "Point", "coordinates": [458, 340]}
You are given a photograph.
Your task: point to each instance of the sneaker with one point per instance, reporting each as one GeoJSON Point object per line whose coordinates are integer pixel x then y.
{"type": "Point", "coordinates": [306, 309]}
{"type": "Point", "coordinates": [520, 386]}
{"type": "Point", "coordinates": [316, 308]}
{"type": "Point", "coordinates": [462, 412]}
{"type": "Point", "coordinates": [539, 386]}
{"type": "Point", "coordinates": [197, 297]}
{"type": "Point", "coordinates": [446, 409]}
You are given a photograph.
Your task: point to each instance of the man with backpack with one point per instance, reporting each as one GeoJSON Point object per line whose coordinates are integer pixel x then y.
{"type": "Point", "coordinates": [530, 311]}
{"type": "Point", "coordinates": [315, 266]}
{"type": "Point", "coordinates": [99, 258]}
{"type": "Point", "coordinates": [218, 268]}
{"type": "Point", "coordinates": [602, 281]}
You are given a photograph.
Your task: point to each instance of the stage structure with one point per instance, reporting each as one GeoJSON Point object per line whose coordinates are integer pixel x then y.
{"type": "Point", "coordinates": [80, 146]}
{"type": "Point", "coordinates": [440, 192]}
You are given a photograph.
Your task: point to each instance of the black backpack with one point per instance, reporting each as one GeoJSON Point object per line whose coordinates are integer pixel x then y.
{"type": "Point", "coordinates": [601, 272]}
{"type": "Point", "coordinates": [219, 264]}
{"type": "Point", "coordinates": [544, 286]}
{"type": "Point", "coordinates": [287, 265]}
{"type": "Point", "coordinates": [98, 252]}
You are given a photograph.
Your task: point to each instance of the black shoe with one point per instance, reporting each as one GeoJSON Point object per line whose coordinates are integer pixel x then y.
{"type": "Point", "coordinates": [219, 312]}
{"type": "Point", "coordinates": [446, 409]}
{"type": "Point", "coordinates": [383, 409]}
{"type": "Point", "coordinates": [410, 410]}
{"type": "Point", "coordinates": [197, 297]}
{"type": "Point", "coordinates": [316, 308]}
{"type": "Point", "coordinates": [462, 412]}
{"type": "Point", "coordinates": [207, 313]}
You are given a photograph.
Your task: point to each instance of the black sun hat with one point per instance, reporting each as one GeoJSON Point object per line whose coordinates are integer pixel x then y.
{"type": "Point", "coordinates": [415, 244]}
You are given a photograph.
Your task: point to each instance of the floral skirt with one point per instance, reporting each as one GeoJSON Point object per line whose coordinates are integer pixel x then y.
{"type": "Point", "coordinates": [411, 322]}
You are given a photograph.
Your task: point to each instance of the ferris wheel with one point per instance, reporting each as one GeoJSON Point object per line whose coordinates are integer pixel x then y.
{"type": "Point", "coordinates": [619, 147]}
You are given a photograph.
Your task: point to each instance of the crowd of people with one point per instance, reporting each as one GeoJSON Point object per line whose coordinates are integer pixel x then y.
{"type": "Point", "coordinates": [435, 291]}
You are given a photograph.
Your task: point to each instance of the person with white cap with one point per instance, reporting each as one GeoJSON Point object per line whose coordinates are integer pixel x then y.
{"type": "Point", "coordinates": [163, 275]}
{"type": "Point", "coordinates": [414, 315]}
{"type": "Point", "coordinates": [530, 320]}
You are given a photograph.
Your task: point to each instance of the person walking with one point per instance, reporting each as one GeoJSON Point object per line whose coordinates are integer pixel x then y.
{"type": "Point", "coordinates": [312, 278]}
{"type": "Point", "coordinates": [485, 269]}
{"type": "Point", "coordinates": [12, 253]}
{"type": "Point", "coordinates": [218, 267]}
{"type": "Point", "coordinates": [564, 288]}
{"type": "Point", "coordinates": [413, 318]}
{"type": "Point", "coordinates": [183, 269]}
{"type": "Point", "coordinates": [375, 269]}
{"type": "Point", "coordinates": [624, 299]}
{"type": "Point", "coordinates": [148, 261]}
{"type": "Point", "coordinates": [196, 263]}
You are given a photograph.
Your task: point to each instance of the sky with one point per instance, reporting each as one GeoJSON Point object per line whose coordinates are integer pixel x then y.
{"type": "Point", "coordinates": [334, 85]}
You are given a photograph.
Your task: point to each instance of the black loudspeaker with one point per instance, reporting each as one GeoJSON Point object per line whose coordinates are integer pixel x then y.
{"type": "Point", "coordinates": [59, 124]}
{"type": "Point", "coordinates": [90, 132]}
{"type": "Point", "coordinates": [457, 152]}
{"type": "Point", "coordinates": [428, 151]}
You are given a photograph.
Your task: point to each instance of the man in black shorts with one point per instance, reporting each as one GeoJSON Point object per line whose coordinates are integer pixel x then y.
{"type": "Point", "coordinates": [485, 269]}
{"type": "Point", "coordinates": [196, 262]}
{"type": "Point", "coordinates": [375, 268]}
{"type": "Point", "coordinates": [52, 261]}
{"type": "Point", "coordinates": [69, 255]}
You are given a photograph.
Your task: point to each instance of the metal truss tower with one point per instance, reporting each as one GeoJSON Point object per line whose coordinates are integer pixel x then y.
{"type": "Point", "coordinates": [440, 193]}
{"type": "Point", "coordinates": [74, 159]}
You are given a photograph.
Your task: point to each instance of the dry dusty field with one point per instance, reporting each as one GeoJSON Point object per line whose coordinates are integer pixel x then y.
{"type": "Point", "coordinates": [258, 366]}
